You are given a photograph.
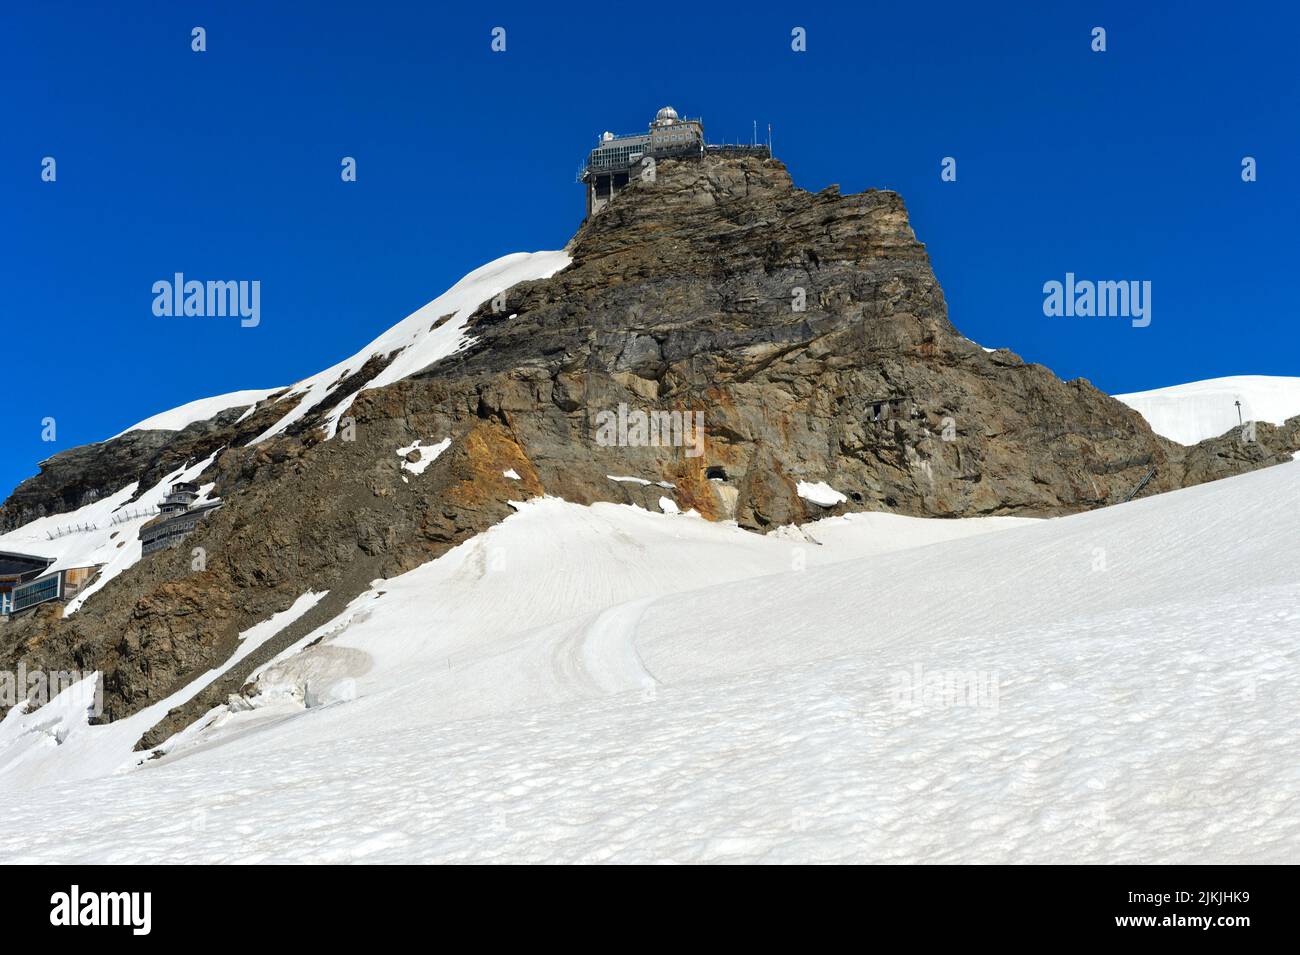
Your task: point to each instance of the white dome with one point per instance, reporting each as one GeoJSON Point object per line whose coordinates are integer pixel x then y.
{"type": "Point", "coordinates": [666, 116]}
{"type": "Point", "coordinates": [606, 136]}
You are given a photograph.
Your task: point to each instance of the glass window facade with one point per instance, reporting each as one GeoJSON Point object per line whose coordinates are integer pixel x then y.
{"type": "Point", "coordinates": [36, 591]}
{"type": "Point", "coordinates": [617, 153]}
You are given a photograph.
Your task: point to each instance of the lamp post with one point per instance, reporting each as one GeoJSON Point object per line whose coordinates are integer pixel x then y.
{"type": "Point", "coordinates": [1238, 404]}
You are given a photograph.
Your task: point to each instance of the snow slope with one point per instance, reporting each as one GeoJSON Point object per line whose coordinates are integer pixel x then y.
{"type": "Point", "coordinates": [419, 340]}
{"type": "Point", "coordinates": [1206, 409]}
{"type": "Point", "coordinates": [608, 684]}
{"type": "Point", "coordinates": [428, 334]}
{"type": "Point", "coordinates": [56, 743]}
{"type": "Point", "coordinates": [201, 410]}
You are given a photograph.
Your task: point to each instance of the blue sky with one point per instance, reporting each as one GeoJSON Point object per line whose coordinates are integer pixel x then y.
{"type": "Point", "coordinates": [225, 165]}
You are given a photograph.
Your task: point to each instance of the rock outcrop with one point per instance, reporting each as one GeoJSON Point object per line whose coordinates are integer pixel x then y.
{"type": "Point", "coordinates": [806, 331]}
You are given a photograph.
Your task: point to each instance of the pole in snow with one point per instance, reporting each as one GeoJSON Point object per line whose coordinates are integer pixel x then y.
{"type": "Point", "coordinates": [1238, 404]}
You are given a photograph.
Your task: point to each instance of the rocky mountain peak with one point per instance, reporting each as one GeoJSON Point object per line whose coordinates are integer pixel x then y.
{"type": "Point", "coordinates": [721, 341]}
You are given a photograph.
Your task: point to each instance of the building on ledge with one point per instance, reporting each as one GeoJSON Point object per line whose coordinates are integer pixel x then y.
{"type": "Point", "coordinates": [25, 583]}
{"type": "Point", "coordinates": [16, 570]}
{"type": "Point", "coordinates": [620, 160]}
{"type": "Point", "coordinates": [177, 516]}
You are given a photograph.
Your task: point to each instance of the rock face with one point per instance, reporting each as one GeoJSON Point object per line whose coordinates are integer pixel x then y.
{"type": "Point", "coordinates": [806, 332]}
{"type": "Point", "coordinates": [811, 333]}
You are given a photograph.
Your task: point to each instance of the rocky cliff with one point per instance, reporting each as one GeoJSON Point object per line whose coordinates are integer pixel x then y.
{"type": "Point", "coordinates": [806, 330]}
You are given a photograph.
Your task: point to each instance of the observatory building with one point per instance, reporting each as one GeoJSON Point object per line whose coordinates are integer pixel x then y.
{"type": "Point", "coordinates": [619, 160]}
{"type": "Point", "coordinates": [178, 515]}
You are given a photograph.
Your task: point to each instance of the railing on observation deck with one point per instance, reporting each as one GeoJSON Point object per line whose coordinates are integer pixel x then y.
{"type": "Point", "coordinates": [740, 149]}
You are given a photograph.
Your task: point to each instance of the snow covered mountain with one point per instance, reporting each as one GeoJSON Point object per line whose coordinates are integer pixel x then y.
{"type": "Point", "coordinates": [424, 337]}
{"type": "Point", "coordinates": [1206, 409]}
{"type": "Point", "coordinates": [203, 409]}
{"type": "Point", "coordinates": [614, 553]}
{"type": "Point", "coordinates": [110, 524]}
{"type": "Point", "coordinates": [607, 684]}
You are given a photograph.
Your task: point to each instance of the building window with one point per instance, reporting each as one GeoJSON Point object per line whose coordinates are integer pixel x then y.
{"type": "Point", "coordinates": [38, 591]}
